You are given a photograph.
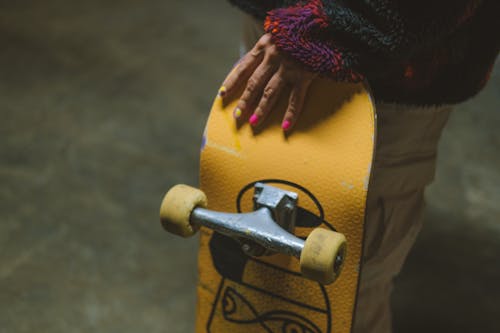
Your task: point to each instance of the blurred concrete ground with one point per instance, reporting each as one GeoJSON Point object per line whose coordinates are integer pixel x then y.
{"type": "Point", "coordinates": [102, 105]}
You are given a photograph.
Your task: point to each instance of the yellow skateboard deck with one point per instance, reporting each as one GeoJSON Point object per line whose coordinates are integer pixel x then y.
{"type": "Point", "coordinates": [326, 160]}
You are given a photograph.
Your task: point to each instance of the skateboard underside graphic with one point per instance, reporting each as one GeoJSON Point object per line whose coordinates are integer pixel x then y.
{"type": "Point", "coordinates": [288, 211]}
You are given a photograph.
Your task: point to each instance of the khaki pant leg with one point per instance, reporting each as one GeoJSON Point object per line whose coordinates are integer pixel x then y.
{"type": "Point", "coordinates": [392, 226]}
{"type": "Point", "coordinates": [404, 165]}
{"type": "Point", "coordinates": [374, 301]}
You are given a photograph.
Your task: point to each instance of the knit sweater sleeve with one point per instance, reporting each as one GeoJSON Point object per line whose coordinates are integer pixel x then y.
{"type": "Point", "coordinates": [350, 39]}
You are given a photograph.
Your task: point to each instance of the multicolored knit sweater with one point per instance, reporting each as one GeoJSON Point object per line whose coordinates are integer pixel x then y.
{"type": "Point", "coordinates": [420, 52]}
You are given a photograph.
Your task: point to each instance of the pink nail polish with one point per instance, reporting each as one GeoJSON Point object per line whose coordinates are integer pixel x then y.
{"type": "Point", "coordinates": [254, 119]}
{"type": "Point", "coordinates": [286, 125]}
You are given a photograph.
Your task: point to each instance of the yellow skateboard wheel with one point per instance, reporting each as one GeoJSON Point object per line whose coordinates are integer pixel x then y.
{"type": "Point", "coordinates": [323, 255]}
{"type": "Point", "coordinates": [176, 209]}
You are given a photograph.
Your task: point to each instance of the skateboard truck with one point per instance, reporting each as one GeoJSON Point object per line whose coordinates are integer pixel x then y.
{"type": "Point", "coordinates": [280, 210]}
{"type": "Point", "coordinates": [266, 230]}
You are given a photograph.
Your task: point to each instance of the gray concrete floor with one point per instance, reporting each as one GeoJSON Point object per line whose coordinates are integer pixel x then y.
{"type": "Point", "coordinates": [102, 105]}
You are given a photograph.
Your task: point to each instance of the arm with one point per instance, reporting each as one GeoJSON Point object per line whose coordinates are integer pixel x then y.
{"type": "Point", "coordinates": [345, 39]}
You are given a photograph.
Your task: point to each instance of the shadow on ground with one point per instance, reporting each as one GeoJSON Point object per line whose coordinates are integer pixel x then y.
{"type": "Point", "coordinates": [450, 281]}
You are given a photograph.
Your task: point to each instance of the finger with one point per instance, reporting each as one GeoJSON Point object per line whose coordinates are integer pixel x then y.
{"type": "Point", "coordinates": [275, 87]}
{"type": "Point", "coordinates": [255, 86]}
{"type": "Point", "coordinates": [243, 71]}
{"type": "Point", "coordinates": [295, 103]}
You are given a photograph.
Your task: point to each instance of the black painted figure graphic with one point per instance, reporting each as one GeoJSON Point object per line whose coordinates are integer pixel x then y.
{"type": "Point", "coordinates": [246, 298]}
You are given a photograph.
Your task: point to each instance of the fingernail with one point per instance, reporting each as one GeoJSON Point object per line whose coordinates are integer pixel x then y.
{"type": "Point", "coordinates": [254, 119]}
{"type": "Point", "coordinates": [286, 125]}
{"type": "Point", "coordinates": [237, 113]}
{"type": "Point", "coordinates": [222, 91]}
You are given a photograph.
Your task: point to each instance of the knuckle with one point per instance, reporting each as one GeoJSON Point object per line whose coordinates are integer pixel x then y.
{"type": "Point", "coordinates": [268, 92]}
{"type": "Point", "coordinates": [265, 39]}
{"type": "Point", "coordinates": [292, 109]}
{"type": "Point", "coordinates": [262, 44]}
{"type": "Point", "coordinates": [260, 110]}
{"type": "Point", "coordinates": [251, 85]}
{"type": "Point", "coordinates": [273, 53]}
{"type": "Point", "coordinates": [242, 103]}
{"type": "Point", "coordinates": [256, 51]}
{"type": "Point", "coordinates": [273, 49]}
{"type": "Point", "coordinates": [295, 100]}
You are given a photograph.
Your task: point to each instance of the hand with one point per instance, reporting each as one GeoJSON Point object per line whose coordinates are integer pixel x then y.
{"type": "Point", "coordinates": [267, 74]}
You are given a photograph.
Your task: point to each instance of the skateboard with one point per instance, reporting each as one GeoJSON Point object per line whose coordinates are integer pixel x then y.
{"type": "Point", "coordinates": [280, 216]}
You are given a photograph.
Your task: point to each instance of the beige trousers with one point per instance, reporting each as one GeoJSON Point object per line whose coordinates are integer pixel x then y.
{"type": "Point", "coordinates": [404, 165]}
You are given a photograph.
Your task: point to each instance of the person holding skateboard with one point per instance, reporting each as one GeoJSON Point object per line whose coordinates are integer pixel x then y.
{"type": "Point", "coordinates": [419, 57]}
